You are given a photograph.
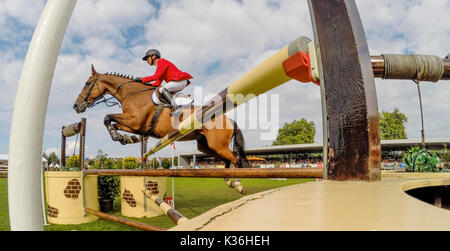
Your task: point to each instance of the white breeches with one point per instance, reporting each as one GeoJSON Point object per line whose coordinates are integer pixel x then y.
{"type": "Point", "coordinates": [174, 87]}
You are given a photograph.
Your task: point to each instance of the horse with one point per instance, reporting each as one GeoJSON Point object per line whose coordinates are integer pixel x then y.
{"type": "Point", "coordinates": [138, 113]}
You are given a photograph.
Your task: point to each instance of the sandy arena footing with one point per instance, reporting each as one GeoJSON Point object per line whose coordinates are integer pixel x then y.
{"type": "Point", "coordinates": [331, 205]}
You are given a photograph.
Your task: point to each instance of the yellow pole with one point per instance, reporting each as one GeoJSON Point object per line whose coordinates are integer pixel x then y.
{"type": "Point", "coordinates": [264, 77]}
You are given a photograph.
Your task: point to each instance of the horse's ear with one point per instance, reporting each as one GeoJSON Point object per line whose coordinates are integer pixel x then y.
{"type": "Point", "coordinates": [94, 73]}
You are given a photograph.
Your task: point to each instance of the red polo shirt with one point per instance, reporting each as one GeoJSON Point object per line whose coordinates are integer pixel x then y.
{"type": "Point", "coordinates": [166, 71]}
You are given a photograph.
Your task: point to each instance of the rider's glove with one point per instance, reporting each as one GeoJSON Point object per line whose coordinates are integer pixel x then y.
{"type": "Point", "coordinates": [139, 80]}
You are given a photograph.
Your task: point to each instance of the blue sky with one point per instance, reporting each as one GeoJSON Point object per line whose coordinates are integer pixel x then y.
{"type": "Point", "coordinates": [216, 41]}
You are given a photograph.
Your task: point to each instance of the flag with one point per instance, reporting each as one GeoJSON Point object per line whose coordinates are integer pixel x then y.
{"type": "Point", "coordinates": [173, 145]}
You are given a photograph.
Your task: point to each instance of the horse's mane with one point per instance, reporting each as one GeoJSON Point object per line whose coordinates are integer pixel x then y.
{"type": "Point", "coordinates": [120, 75]}
{"type": "Point", "coordinates": [129, 77]}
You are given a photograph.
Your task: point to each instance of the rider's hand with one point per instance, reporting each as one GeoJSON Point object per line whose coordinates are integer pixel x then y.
{"type": "Point", "coordinates": [139, 80]}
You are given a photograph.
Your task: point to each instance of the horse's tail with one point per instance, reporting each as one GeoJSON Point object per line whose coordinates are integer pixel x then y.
{"type": "Point", "coordinates": [239, 147]}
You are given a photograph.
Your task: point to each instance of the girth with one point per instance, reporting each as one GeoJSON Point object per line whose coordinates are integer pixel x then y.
{"type": "Point", "coordinates": [150, 129]}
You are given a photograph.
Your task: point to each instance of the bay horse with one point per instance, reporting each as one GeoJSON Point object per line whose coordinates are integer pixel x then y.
{"type": "Point", "coordinates": [137, 114]}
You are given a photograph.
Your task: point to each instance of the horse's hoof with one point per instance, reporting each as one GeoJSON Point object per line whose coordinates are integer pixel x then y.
{"type": "Point", "coordinates": [116, 137]}
{"type": "Point", "coordinates": [243, 191]}
{"type": "Point", "coordinates": [134, 140]}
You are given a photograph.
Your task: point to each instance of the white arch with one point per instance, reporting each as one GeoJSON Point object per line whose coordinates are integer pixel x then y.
{"type": "Point", "coordinates": [27, 126]}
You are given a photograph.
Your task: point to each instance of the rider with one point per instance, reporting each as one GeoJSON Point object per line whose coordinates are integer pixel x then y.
{"type": "Point", "coordinates": [175, 79]}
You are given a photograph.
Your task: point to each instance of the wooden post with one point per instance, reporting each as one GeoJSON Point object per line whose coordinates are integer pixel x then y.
{"type": "Point", "coordinates": [63, 148]}
{"type": "Point", "coordinates": [130, 223]}
{"type": "Point", "coordinates": [353, 148]}
{"type": "Point", "coordinates": [144, 141]}
{"type": "Point", "coordinates": [82, 142]}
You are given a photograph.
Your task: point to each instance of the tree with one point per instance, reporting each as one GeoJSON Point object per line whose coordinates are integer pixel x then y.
{"type": "Point", "coordinates": [91, 162]}
{"type": "Point", "coordinates": [392, 125]}
{"type": "Point", "coordinates": [154, 163]}
{"type": "Point", "coordinates": [166, 163]}
{"type": "Point", "coordinates": [53, 159]}
{"type": "Point", "coordinates": [130, 163]}
{"type": "Point", "coordinates": [108, 186]}
{"type": "Point", "coordinates": [445, 156]}
{"type": "Point", "coordinates": [103, 161]}
{"type": "Point", "coordinates": [297, 132]}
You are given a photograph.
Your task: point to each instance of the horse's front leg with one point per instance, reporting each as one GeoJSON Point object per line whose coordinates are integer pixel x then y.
{"type": "Point", "coordinates": [111, 129]}
{"type": "Point", "coordinates": [121, 124]}
{"type": "Point", "coordinates": [125, 138]}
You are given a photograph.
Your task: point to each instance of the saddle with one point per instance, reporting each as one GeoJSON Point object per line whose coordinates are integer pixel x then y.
{"type": "Point", "coordinates": [182, 100]}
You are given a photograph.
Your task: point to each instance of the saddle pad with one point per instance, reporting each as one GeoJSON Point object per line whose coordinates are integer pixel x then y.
{"type": "Point", "coordinates": [180, 98]}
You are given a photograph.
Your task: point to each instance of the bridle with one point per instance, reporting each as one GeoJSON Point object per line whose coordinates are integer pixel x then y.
{"type": "Point", "coordinates": [98, 100]}
{"type": "Point", "coordinates": [88, 93]}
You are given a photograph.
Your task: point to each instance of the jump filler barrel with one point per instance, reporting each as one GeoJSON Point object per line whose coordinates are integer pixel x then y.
{"type": "Point", "coordinates": [68, 193]}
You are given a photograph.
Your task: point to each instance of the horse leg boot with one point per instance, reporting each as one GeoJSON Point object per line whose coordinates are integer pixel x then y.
{"type": "Point", "coordinates": [126, 139]}
{"type": "Point", "coordinates": [111, 129]}
{"type": "Point", "coordinates": [239, 187]}
{"type": "Point", "coordinates": [227, 154]}
{"type": "Point", "coordinates": [228, 181]}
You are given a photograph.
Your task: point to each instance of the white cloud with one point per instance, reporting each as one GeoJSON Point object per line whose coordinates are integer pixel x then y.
{"type": "Point", "coordinates": [107, 18]}
{"type": "Point", "coordinates": [24, 11]}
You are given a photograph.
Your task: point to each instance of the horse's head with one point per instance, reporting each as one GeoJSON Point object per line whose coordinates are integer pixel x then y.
{"type": "Point", "coordinates": [92, 90]}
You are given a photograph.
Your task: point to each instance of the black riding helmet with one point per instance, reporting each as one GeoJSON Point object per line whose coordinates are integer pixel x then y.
{"type": "Point", "coordinates": [151, 53]}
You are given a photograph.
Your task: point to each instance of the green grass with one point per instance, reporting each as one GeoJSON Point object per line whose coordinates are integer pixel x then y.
{"type": "Point", "coordinates": [193, 196]}
{"type": "Point", "coordinates": [4, 216]}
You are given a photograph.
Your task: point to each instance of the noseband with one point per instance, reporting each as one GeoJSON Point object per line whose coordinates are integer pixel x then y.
{"type": "Point", "coordinates": [85, 98]}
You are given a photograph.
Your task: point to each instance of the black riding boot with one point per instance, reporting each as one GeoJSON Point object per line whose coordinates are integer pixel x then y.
{"type": "Point", "coordinates": [169, 97]}
{"type": "Point", "coordinates": [176, 111]}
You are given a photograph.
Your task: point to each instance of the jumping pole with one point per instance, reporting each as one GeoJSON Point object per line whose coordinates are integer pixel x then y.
{"type": "Point", "coordinates": [215, 173]}
{"type": "Point", "coordinates": [130, 223]}
{"type": "Point", "coordinates": [26, 139]}
{"type": "Point", "coordinates": [170, 212]}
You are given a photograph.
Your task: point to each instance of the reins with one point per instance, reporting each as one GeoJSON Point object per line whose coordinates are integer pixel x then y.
{"type": "Point", "coordinates": [136, 93]}
{"type": "Point", "coordinates": [107, 102]}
